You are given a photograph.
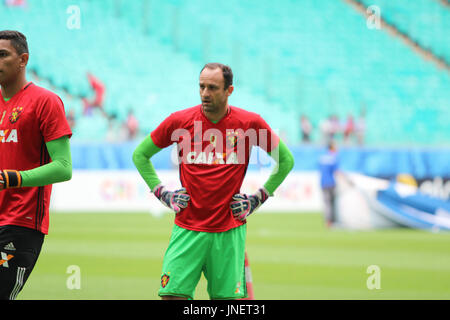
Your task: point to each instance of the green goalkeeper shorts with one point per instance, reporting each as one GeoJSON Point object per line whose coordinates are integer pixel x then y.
{"type": "Point", "coordinates": [220, 256]}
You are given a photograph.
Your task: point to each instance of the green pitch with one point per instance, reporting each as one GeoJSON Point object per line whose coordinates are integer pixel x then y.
{"type": "Point", "coordinates": [292, 256]}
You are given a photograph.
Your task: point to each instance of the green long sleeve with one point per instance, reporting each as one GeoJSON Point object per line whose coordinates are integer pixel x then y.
{"type": "Point", "coordinates": [59, 170]}
{"type": "Point", "coordinates": [284, 164]}
{"type": "Point", "coordinates": [141, 159]}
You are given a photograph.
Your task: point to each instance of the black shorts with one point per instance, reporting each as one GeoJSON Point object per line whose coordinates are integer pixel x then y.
{"type": "Point", "coordinates": [19, 249]}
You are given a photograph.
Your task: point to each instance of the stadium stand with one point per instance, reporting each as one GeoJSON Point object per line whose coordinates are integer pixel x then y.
{"type": "Point", "coordinates": [289, 58]}
{"type": "Point", "coordinates": [427, 22]}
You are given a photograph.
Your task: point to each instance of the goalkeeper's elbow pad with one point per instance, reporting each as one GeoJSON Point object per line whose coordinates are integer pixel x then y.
{"type": "Point", "coordinates": [10, 179]}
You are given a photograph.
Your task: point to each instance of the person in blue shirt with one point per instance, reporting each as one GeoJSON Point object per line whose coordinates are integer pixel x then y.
{"type": "Point", "coordinates": [328, 166]}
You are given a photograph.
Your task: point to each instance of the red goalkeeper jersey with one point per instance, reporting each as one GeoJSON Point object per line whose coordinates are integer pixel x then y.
{"type": "Point", "coordinates": [32, 117]}
{"type": "Point", "coordinates": [213, 161]}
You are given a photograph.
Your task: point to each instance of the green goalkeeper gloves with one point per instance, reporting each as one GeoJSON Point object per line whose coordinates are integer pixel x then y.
{"type": "Point", "coordinates": [10, 179]}
{"type": "Point", "coordinates": [244, 205]}
{"type": "Point", "coordinates": [175, 200]}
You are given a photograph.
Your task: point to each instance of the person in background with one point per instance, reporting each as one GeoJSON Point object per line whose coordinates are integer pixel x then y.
{"type": "Point", "coordinates": [99, 95]}
{"type": "Point", "coordinates": [132, 125]}
{"type": "Point", "coordinates": [16, 3]}
{"type": "Point", "coordinates": [349, 128]}
{"type": "Point", "coordinates": [306, 129]}
{"type": "Point", "coordinates": [360, 129]}
{"type": "Point", "coordinates": [71, 120]}
{"type": "Point", "coordinates": [328, 166]}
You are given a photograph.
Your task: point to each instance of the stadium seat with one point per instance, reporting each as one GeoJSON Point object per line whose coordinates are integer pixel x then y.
{"type": "Point", "coordinates": [289, 58]}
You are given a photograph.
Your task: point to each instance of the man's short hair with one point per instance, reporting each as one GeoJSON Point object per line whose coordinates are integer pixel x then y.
{"type": "Point", "coordinates": [18, 40]}
{"type": "Point", "coordinates": [226, 71]}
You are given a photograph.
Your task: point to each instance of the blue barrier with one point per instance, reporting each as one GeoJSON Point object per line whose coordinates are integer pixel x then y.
{"type": "Point", "coordinates": [416, 210]}
{"type": "Point", "coordinates": [378, 162]}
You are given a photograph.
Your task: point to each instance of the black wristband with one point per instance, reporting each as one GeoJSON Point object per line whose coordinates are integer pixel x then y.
{"type": "Point", "coordinates": [11, 179]}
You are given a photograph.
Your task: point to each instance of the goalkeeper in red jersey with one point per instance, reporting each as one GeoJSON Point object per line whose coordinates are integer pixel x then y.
{"type": "Point", "coordinates": [214, 141]}
{"type": "Point", "coordinates": [34, 154]}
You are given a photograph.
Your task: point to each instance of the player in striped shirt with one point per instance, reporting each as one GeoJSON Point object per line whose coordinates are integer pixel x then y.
{"type": "Point", "coordinates": [214, 141]}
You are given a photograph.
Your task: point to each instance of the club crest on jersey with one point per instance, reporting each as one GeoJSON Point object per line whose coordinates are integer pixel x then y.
{"type": "Point", "coordinates": [165, 280]}
{"type": "Point", "coordinates": [15, 114]}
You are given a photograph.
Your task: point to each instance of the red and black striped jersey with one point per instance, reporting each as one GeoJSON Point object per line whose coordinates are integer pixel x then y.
{"type": "Point", "coordinates": [32, 117]}
{"type": "Point", "coordinates": [213, 160]}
